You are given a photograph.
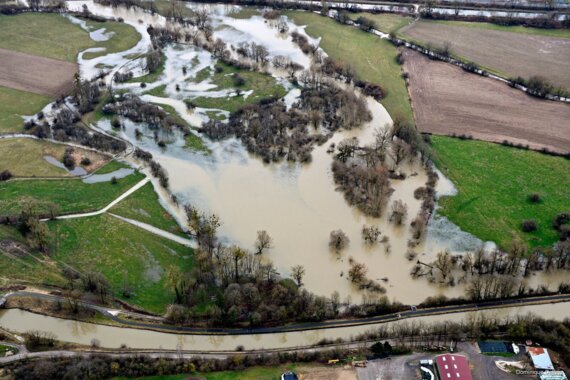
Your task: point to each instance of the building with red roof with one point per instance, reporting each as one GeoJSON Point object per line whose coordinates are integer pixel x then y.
{"type": "Point", "coordinates": [453, 367]}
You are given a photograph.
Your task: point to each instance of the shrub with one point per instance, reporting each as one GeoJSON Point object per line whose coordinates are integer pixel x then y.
{"type": "Point", "coordinates": [338, 240]}
{"type": "Point", "coordinates": [5, 175]}
{"type": "Point", "coordinates": [114, 180]}
{"type": "Point", "coordinates": [534, 198]}
{"type": "Point", "coordinates": [116, 122]}
{"type": "Point", "coordinates": [529, 225]}
{"type": "Point", "coordinates": [85, 161]}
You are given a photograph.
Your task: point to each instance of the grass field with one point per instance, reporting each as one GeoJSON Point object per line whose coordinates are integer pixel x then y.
{"type": "Point", "coordinates": [263, 86]}
{"type": "Point", "coordinates": [494, 183]}
{"type": "Point", "coordinates": [14, 104]}
{"type": "Point", "coordinates": [72, 195]}
{"type": "Point", "coordinates": [51, 35]}
{"type": "Point", "coordinates": [385, 22]}
{"type": "Point", "coordinates": [3, 350]}
{"type": "Point", "coordinates": [143, 205]}
{"type": "Point", "coordinates": [372, 58]}
{"type": "Point", "coordinates": [25, 158]}
{"type": "Point", "coordinates": [25, 268]}
{"type": "Point", "coordinates": [124, 37]}
{"type": "Point", "coordinates": [123, 253]}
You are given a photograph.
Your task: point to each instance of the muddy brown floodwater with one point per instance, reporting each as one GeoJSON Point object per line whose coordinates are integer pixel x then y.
{"type": "Point", "coordinates": [65, 330]}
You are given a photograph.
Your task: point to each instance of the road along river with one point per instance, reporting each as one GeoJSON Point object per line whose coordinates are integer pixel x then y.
{"type": "Point", "coordinates": [19, 321]}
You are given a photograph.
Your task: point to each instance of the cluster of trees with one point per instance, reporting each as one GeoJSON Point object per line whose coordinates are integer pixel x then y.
{"type": "Point", "coordinates": [13, 8]}
{"type": "Point", "coordinates": [274, 133]}
{"type": "Point", "coordinates": [539, 86]}
{"type": "Point", "coordinates": [357, 275]}
{"type": "Point", "coordinates": [155, 168]}
{"type": "Point", "coordinates": [101, 366]}
{"type": "Point", "coordinates": [494, 274]}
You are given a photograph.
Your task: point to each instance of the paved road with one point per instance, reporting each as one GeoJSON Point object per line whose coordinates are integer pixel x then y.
{"type": "Point", "coordinates": [114, 315]}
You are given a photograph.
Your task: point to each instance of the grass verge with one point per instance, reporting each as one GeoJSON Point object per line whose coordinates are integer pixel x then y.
{"type": "Point", "coordinates": [373, 59]}
{"type": "Point", "coordinates": [385, 22]}
{"type": "Point", "coordinates": [560, 33]}
{"type": "Point", "coordinates": [494, 183]}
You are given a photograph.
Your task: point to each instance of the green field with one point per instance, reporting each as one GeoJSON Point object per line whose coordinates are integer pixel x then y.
{"type": "Point", "coordinates": [560, 33]}
{"type": "Point", "coordinates": [3, 350]}
{"type": "Point", "coordinates": [26, 268]}
{"type": "Point", "coordinates": [112, 166]}
{"type": "Point", "coordinates": [124, 37]}
{"type": "Point", "coordinates": [151, 77]}
{"type": "Point", "coordinates": [385, 22]}
{"type": "Point", "coordinates": [494, 183]}
{"type": "Point", "coordinates": [72, 195]}
{"type": "Point", "coordinates": [14, 104]}
{"type": "Point", "coordinates": [124, 254]}
{"type": "Point", "coordinates": [143, 205]}
{"type": "Point", "coordinates": [54, 36]}
{"type": "Point", "coordinates": [24, 157]}
{"type": "Point", "coordinates": [372, 58]}
{"type": "Point", "coordinates": [263, 86]}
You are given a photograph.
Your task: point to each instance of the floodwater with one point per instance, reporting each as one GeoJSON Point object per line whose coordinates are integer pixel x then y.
{"type": "Point", "coordinates": [76, 171]}
{"type": "Point", "coordinates": [20, 321]}
{"type": "Point", "coordinates": [118, 174]}
{"type": "Point", "coordinates": [296, 204]}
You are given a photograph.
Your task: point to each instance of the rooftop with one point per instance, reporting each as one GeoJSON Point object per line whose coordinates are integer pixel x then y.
{"type": "Point", "coordinates": [540, 358]}
{"type": "Point", "coordinates": [453, 367]}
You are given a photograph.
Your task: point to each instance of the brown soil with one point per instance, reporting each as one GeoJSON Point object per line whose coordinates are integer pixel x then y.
{"type": "Point", "coordinates": [513, 54]}
{"type": "Point", "coordinates": [448, 100]}
{"type": "Point", "coordinates": [326, 373]}
{"type": "Point", "coordinates": [40, 75]}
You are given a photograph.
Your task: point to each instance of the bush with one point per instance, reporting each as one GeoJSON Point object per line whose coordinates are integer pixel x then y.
{"type": "Point", "coordinates": [116, 122]}
{"type": "Point", "coordinates": [529, 225]}
{"type": "Point", "coordinates": [5, 175]}
{"type": "Point", "coordinates": [114, 180]}
{"type": "Point", "coordinates": [534, 198]}
{"type": "Point", "coordinates": [85, 161]}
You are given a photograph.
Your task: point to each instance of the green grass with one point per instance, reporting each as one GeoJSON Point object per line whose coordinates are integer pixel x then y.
{"type": "Point", "coordinates": [245, 13]}
{"type": "Point", "coordinates": [72, 195]}
{"type": "Point", "coordinates": [151, 77]}
{"type": "Point", "coordinates": [560, 33]}
{"type": "Point", "coordinates": [165, 8]}
{"type": "Point", "coordinates": [14, 104]}
{"type": "Point", "coordinates": [385, 22]}
{"type": "Point", "coordinates": [112, 166]}
{"type": "Point", "coordinates": [195, 143]}
{"type": "Point", "coordinates": [121, 251]}
{"type": "Point", "coordinates": [28, 268]}
{"type": "Point", "coordinates": [263, 86]}
{"type": "Point", "coordinates": [202, 75]}
{"type": "Point", "coordinates": [494, 183]}
{"type": "Point", "coordinates": [143, 205]}
{"type": "Point", "coordinates": [25, 157]}
{"type": "Point", "coordinates": [124, 38]}
{"type": "Point", "coordinates": [373, 59]}
{"type": "Point", "coordinates": [52, 35]}
{"type": "Point", "coordinates": [3, 350]}
{"type": "Point", "coordinates": [157, 91]}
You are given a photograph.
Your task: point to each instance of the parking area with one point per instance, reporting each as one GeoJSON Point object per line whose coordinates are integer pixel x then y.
{"type": "Point", "coordinates": [393, 368]}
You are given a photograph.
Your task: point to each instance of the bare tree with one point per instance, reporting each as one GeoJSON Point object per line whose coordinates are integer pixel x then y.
{"type": "Point", "coordinates": [370, 234]}
{"type": "Point", "coordinates": [399, 212]}
{"type": "Point", "coordinates": [297, 272]}
{"type": "Point", "coordinates": [263, 242]}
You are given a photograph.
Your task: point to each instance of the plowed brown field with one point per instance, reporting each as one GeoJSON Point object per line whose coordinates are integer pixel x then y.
{"type": "Point", "coordinates": [40, 75]}
{"type": "Point", "coordinates": [448, 100]}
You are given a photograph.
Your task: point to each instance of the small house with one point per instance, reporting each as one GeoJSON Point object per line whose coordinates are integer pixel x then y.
{"type": "Point", "coordinates": [540, 358]}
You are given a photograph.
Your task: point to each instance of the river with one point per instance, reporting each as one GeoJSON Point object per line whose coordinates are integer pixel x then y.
{"type": "Point", "coordinates": [19, 321]}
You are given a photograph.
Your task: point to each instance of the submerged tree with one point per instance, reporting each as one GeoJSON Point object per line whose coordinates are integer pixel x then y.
{"type": "Point", "coordinates": [263, 242]}
{"type": "Point", "coordinates": [338, 240]}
